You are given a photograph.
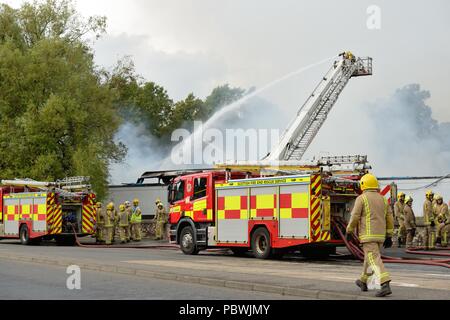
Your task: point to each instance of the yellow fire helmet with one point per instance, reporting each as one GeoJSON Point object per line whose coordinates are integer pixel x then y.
{"type": "Point", "coordinates": [409, 199]}
{"type": "Point", "coordinates": [369, 182]}
{"type": "Point", "coordinates": [110, 206]}
{"type": "Point", "coordinates": [122, 207]}
{"type": "Point", "coordinates": [429, 193]}
{"type": "Point", "coordinates": [98, 204]}
{"type": "Point", "coordinates": [136, 201]}
{"type": "Point", "coordinates": [157, 201]}
{"type": "Point", "coordinates": [438, 197]}
{"type": "Point", "coordinates": [401, 195]}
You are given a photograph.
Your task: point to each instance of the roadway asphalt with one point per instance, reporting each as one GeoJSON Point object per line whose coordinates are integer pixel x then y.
{"type": "Point", "coordinates": [31, 281]}
{"type": "Point", "coordinates": [326, 279]}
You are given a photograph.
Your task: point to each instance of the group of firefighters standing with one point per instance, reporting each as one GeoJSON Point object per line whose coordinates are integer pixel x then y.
{"type": "Point", "coordinates": [127, 220]}
{"type": "Point", "coordinates": [436, 220]}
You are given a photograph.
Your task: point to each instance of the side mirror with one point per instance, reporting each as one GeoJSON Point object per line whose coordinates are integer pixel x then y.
{"type": "Point", "coordinates": [170, 195]}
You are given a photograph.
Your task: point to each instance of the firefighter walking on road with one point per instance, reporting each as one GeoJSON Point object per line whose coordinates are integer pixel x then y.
{"type": "Point", "coordinates": [373, 217]}
{"type": "Point", "coordinates": [410, 222]}
{"type": "Point", "coordinates": [161, 220]}
{"type": "Point", "coordinates": [99, 232]}
{"type": "Point", "coordinates": [428, 220]}
{"type": "Point", "coordinates": [123, 224]}
{"type": "Point", "coordinates": [136, 219]}
{"type": "Point", "coordinates": [109, 222]}
{"type": "Point", "coordinates": [400, 217]}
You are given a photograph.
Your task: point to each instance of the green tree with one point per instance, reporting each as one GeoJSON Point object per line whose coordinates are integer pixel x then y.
{"type": "Point", "coordinates": [189, 109]}
{"type": "Point", "coordinates": [220, 97]}
{"type": "Point", "coordinates": [57, 115]}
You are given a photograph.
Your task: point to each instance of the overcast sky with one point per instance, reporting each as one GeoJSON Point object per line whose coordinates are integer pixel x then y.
{"type": "Point", "coordinates": [195, 45]}
{"type": "Point", "coordinates": [192, 46]}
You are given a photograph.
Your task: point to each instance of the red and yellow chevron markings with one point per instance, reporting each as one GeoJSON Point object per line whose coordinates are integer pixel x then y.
{"type": "Point", "coordinates": [315, 216]}
{"type": "Point", "coordinates": [54, 215]}
{"type": "Point", "coordinates": [88, 216]}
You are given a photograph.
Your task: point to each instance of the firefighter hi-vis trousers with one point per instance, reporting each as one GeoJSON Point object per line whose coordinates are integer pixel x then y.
{"type": "Point", "coordinates": [429, 238]}
{"type": "Point", "coordinates": [372, 260]}
{"type": "Point", "coordinates": [124, 233]}
{"type": "Point", "coordinates": [136, 231]}
{"type": "Point", "coordinates": [445, 232]}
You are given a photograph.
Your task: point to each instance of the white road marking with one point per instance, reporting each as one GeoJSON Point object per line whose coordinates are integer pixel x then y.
{"type": "Point", "coordinates": [402, 284]}
{"type": "Point", "coordinates": [437, 274]}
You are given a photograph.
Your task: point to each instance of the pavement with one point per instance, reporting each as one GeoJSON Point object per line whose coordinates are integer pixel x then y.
{"type": "Point", "coordinates": [290, 277]}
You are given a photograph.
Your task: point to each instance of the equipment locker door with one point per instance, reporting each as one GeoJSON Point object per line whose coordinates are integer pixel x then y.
{"type": "Point", "coordinates": [232, 215]}
{"type": "Point", "coordinates": [294, 211]}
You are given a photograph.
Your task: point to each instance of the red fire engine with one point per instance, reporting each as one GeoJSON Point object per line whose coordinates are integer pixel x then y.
{"type": "Point", "coordinates": [279, 203]}
{"type": "Point", "coordinates": [265, 214]}
{"type": "Point", "coordinates": [32, 210]}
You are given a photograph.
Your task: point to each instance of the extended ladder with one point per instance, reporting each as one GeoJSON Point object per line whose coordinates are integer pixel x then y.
{"type": "Point", "coordinates": [314, 112]}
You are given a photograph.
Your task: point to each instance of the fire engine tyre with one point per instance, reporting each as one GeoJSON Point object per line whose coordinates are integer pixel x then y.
{"type": "Point", "coordinates": [24, 235]}
{"type": "Point", "coordinates": [261, 244]}
{"type": "Point", "coordinates": [187, 241]}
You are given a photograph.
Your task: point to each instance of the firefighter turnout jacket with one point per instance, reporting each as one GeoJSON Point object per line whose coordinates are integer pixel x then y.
{"type": "Point", "coordinates": [428, 212]}
{"type": "Point", "coordinates": [372, 216]}
{"type": "Point", "coordinates": [398, 211]}
{"type": "Point", "coordinates": [410, 218]}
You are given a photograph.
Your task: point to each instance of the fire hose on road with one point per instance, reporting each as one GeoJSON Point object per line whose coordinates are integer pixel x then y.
{"type": "Point", "coordinates": [353, 247]}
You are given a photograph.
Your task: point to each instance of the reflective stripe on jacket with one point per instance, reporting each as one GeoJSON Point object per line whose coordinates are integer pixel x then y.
{"type": "Point", "coordinates": [100, 216]}
{"type": "Point", "coordinates": [410, 218]}
{"type": "Point", "coordinates": [427, 212]}
{"type": "Point", "coordinates": [442, 213]}
{"type": "Point", "coordinates": [136, 216]}
{"type": "Point", "coordinates": [398, 211]}
{"type": "Point", "coordinates": [373, 217]}
{"type": "Point", "coordinates": [109, 219]}
{"type": "Point", "coordinates": [123, 219]}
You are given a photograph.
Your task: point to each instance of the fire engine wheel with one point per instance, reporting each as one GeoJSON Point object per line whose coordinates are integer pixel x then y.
{"type": "Point", "coordinates": [187, 241]}
{"type": "Point", "coordinates": [261, 244]}
{"type": "Point", "coordinates": [24, 235]}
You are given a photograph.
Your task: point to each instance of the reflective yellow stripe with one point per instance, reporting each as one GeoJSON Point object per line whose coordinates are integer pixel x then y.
{"type": "Point", "coordinates": [367, 210]}
{"type": "Point", "coordinates": [373, 236]}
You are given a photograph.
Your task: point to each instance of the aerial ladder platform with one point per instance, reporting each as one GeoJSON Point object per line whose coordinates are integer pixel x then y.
{"type": "Point", "coordinates": [288, 154]}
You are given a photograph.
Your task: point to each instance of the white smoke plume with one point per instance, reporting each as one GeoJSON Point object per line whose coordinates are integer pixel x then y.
{"type": "Point", "coordinates": [145, 153]}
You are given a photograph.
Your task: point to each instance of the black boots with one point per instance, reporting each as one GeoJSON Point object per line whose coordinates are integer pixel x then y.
{"type": "Point", "coordinates": [385, 290]}
{"type": "Point", "coordinates": [362, 285]}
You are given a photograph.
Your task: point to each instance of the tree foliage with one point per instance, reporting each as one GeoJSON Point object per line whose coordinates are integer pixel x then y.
{"type": "Point", "coordinates": [59, 113]}
{"type": "Point", "coordinates": [149, 104]}
{"type": "Point", "coordinates": [56, 114]}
